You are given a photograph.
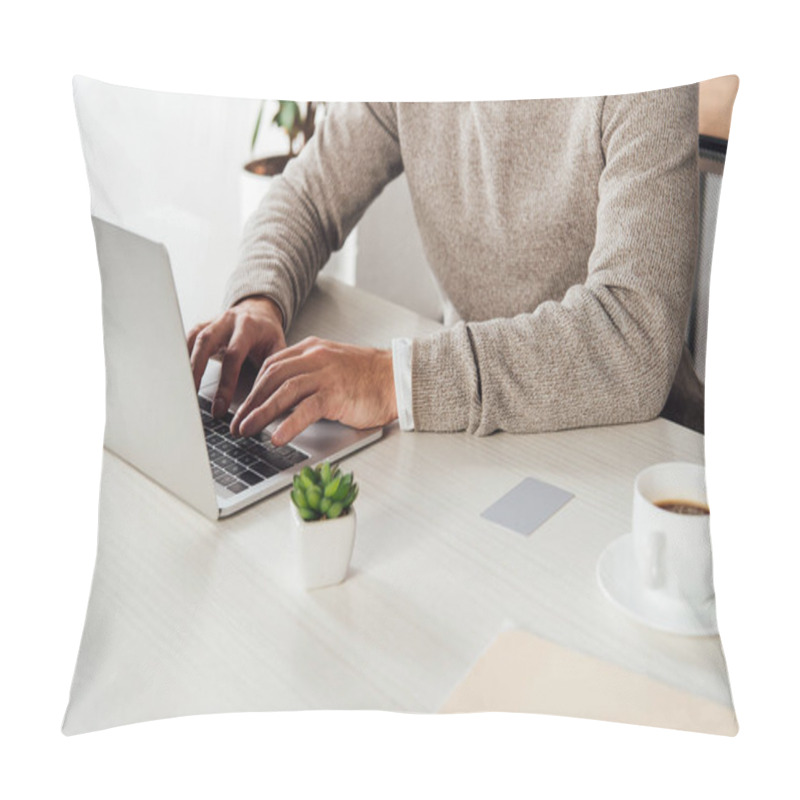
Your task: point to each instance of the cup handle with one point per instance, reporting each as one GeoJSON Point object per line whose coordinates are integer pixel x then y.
{"type": "Point", "coordinates": [653, 561]}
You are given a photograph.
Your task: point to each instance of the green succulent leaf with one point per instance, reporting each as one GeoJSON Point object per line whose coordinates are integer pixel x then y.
{"type": "Point", "coordinates": [325, 472]}
{"type": "Point", "coordinates": [344, 487]}
{"type": "Point", "coordinates": [333, 487]}
{"type": "Point", "coordinates": [335, 510]}
{"type": "Point", "coordinates": [351, 496]}
{"type": "Point", "coordinates": [325, 504]}
{"type": "Point", "coordinates": [308, 514]}
{"type": "Point", "coordinates": [299, 498]}
{"type": "Point", "coordinates": [314, 497]}
{"type": "Point", "coordinates": [308, 478]}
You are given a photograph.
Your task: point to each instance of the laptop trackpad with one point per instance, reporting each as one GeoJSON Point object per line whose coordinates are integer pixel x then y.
{"type": "Point", "coordinates": [320, 440]}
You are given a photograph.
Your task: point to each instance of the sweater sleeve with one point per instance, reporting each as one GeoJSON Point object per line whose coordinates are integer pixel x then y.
{"type": "Point", "coordinates": [311, 208]}
{"type": "Point", "coordinates": [608, 351]}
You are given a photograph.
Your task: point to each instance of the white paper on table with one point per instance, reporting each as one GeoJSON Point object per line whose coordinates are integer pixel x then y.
{"type": "Point", "coordinates": [525, 673]}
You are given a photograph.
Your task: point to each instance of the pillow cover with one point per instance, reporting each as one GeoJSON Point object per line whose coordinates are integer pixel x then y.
{"type": "Point", "coordinates": [538, 272]}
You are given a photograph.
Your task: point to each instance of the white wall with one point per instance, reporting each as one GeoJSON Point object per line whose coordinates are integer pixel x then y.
{"type": "Point", "coordinates": [170, 167]}
{"type": "Point", "coordinates": [391, 261]}
{"type": "Point", "coordinates": [167, 167]}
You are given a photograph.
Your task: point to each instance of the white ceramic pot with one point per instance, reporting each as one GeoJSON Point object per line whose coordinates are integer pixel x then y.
{"type": "Point", "coordinates": [324, 548]}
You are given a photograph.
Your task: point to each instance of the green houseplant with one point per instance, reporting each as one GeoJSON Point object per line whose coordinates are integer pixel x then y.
{"type": "Point", "coordinates": [324, 523]}
{"type": "Point", "coordinates": [297, 123]}
{"type": "Point", "coordinates": [323, 493]}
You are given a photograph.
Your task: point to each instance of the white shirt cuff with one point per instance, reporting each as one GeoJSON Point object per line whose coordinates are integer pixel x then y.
{"type": "Point", "coordinates": [401, 364]}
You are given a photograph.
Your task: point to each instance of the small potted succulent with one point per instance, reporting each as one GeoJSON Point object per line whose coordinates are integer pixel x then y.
{"type": "Point", "coordinates": [325, 523]}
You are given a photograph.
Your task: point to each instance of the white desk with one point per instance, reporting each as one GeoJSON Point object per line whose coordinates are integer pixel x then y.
{"type": "Point", "coordinates": [191, 616]}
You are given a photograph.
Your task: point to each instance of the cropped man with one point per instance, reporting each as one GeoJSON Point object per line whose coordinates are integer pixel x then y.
{"type": "Point", "coordinates": [563, 233]}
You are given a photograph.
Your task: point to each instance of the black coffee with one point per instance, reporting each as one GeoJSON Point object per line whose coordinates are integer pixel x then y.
{"type": "Point", "coordinates": [683, 507]}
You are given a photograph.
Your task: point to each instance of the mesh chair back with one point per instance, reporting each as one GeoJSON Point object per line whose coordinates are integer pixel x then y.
{"type": "Point", "coordinates": [711, 162]}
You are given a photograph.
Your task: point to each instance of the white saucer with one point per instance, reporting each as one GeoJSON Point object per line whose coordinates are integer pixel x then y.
{"type": "Point", "coordinates": [615, 571]}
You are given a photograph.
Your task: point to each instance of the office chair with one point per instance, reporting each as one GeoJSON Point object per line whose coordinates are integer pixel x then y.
{"type": "Point", "coordinates": [711, 162]}
{"type": "Point", "coordinates": [687, 407]}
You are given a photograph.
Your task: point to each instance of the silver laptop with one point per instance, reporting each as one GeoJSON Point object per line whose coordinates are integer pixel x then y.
{"type": "Point", "coordinates": [154, 418]}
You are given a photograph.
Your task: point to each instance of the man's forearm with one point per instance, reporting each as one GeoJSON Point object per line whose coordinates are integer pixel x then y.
{"type": "Point", "coordinates": [310, 209]}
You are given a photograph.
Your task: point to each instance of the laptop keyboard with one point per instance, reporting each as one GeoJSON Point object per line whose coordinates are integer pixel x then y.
{"type": "Point", "coordinates": [237, 462]}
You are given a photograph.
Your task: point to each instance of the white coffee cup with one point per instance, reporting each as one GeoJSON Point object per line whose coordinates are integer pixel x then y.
{"type": "Point", "coordinates": [672, 551]}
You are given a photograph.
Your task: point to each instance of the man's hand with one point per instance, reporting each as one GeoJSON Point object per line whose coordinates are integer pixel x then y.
{"type": "Point", "coordinates": [320, 380]}
{"type": "Point", "coordinates": [252, 328]}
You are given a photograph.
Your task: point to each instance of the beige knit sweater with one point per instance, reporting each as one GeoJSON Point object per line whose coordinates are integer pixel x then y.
{"type": "Point", "coordinates": [563, 231]}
